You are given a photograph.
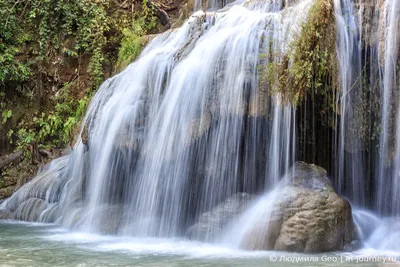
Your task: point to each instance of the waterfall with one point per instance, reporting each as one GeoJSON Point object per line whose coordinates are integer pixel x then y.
{"type": "Point", "coordinates": [388, 188]}
{"type": "Point", "coordinates": [192, 122]}
{"type": "Point", "coordinates": [184, 127]}
{"type": "Point", "coordinates": [374, 85]}
{"type": "Point", "coordinates": [214, 4]}
{"type": "Point", "coordinates": [258, 216]}
{"type": "Point", "coordinates": [349, 61]}
{"type": "Point", "coordinates": [359, 157]}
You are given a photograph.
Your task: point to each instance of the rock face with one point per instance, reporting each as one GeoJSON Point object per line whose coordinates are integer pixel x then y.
{"type": "Point", "coordinates": [212, 224]}
{"type": "Point", "coordinates": [309, 217]}
{"type": "Point", "coordinates": [37, 201]}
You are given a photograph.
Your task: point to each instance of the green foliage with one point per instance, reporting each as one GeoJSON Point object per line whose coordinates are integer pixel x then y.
{"type": "Point", "coordinates": [11, 69]}
{"type": "Point", "coordinates": [11, 37]}
{"type": "Point", "coordinates": [132, 43]}
{"type": "Point", "coordinates": [5, 115]}
{"type": "Point", "coordinates": [54, 128]}
{"type": "Point", "coordinates": [312, 57]}
{"type": "Point", "coordinates": [310, 62]}
{"type": "Point", "coordinates": [41, 26]}
{"type": "Point", "coordinates": [32, 34]}
{"type": "Point", "coordinates": [37, 37]}
{"type": "Point", "coordinates": [57, 127]}
{"type": "Point", "coordinates": [25, 136]}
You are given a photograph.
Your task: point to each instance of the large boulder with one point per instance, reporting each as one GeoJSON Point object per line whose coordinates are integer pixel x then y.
{"type": "Point", "coordinates": [211, 225]}
{"type": "Point", "coordinates": [307, 216]}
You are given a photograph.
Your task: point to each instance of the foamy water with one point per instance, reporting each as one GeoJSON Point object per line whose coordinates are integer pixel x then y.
{"type": "Point", "coordinates": [23, 244]}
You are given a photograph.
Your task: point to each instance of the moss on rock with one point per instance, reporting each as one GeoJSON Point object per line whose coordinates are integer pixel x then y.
{"type": "Point", "coordinates": [310, 62]}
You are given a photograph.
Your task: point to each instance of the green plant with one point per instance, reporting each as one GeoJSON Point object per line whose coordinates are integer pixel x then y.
{"type": "Point", "coordinates": [310, 62]}
{"type": "Point", "coordinates": [44, 24]}
{"type": "Point", "coordinates": [39, 39]}
{"type": "Point", "coordinates": [5, 114]}
{"type": "Point", "coordinates": [132, 42]}
{"type": "Point", "coordinates": [54, 128]}
{"type": "Point", "coordinates": [57, 127]}
{"type": "Point", "coordinates": [25, 137]}
{"type": "Point", "coordinates": [11, 37]}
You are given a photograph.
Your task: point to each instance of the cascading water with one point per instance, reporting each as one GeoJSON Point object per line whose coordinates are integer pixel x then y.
{"type": "Point", "coordinates": [182, 128]}
{"type": "Point", "coordinates": [259, 215]}
{"type": "Point", "coordinates": [188, 125]}
{"type": "Point", "coordinates": [348, 167]}
{"type": "Point", "coordinates": [359, 43]}
{"type": "Point", "coordinates": [389, 176]}
{"type": "Point", "coordinates": [353, 167]}
{"type": "Point", "coordinates": [214, 4]}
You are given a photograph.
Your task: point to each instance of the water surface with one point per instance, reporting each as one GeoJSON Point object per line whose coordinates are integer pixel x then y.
{"type": "Point", "coordinates": [26, 244]}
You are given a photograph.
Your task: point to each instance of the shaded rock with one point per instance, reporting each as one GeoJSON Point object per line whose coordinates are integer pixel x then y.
{"type": "Point", "coordinates": [212, 224]}
{"type": "Point", "coordinates": [309, 217]}
{"type": "Point", "coordinates": [184, 12]}
{"type": "Point", "coordinates": [164, 18]}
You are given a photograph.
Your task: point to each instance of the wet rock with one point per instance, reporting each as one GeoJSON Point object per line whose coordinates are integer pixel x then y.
{"type": "Point", "coordinates": [197, 128]}
{"type": "Point", "coordinates": [47, 186]}
{"type": "Point", "coordinates": [4, 214]}
{"type": "Point", "coordinates": [212, 224]}
{"type": "Point", "coordinates": [184, 13]}
{"type": "Point", "coordinates": [370, 21]}
{"type": "Point", "coordinates": [309, 217]}
{"type": "Point", "coordinates": [164, 18]}
{"type": "Point", "coordinates": [51, 213]}
{"type": "Point", "coordinates": [30, 210]}
{"type": "Point", "coordinates": [110, 217]}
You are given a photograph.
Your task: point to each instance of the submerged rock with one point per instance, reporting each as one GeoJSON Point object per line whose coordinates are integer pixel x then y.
{"type": "Point", "coordinates": [308, 217]}
{"type": "Point", "coordinates": [212, 224]}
